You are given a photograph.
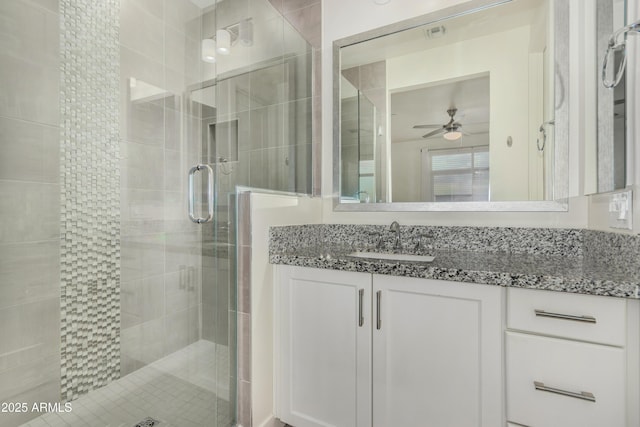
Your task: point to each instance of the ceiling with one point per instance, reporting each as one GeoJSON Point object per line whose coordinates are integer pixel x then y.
{"type": "Point", "coordinates": [428, 105]}
{"type": "Point", "coordinates": [496, 19]}
{"type": "Point", "coordinates": [203, 4]}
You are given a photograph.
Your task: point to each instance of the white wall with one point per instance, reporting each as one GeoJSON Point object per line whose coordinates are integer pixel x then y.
{"type": "Point", "coordinates": [268, 210]}
{"type": "Point", "coordinates": [338, 22]}
{"type": "Point", "coordinates": [505, 56]}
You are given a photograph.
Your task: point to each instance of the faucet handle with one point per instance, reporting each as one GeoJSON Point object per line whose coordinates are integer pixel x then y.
{"type": "Point", "coordinates": [379, 234]}
{"type": "Point", "coordinates": [362, 196]}
{"type": "Point", "coordinates": [419, 245]}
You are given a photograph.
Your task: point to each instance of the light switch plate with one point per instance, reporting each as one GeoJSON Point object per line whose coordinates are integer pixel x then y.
{"type": "Point", "coordinates": [621, 210]}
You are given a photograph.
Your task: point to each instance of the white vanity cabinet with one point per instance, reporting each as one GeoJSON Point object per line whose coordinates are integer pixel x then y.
{"type": "Point", "coordinates": [323, 342]}
{"type": "Point", "coordinates": [437, 353]}
{"type": "Point", "coordinates": [571, 360]}
{"type": "Point", "coordinates": [362, 350]}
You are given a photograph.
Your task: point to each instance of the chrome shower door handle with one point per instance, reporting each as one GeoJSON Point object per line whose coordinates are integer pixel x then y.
{"type": "Point", "coordinates": [192, 195]}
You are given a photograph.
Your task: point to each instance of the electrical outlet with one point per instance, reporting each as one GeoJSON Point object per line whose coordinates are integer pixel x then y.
{"type": "Point", "coordinates": [620, 210]}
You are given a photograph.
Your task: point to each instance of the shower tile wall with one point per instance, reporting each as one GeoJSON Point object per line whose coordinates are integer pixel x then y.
{"type": "Point", "coordinates": [29, 205]}
{"type": "Point", "coordinates": [270, 96]}
{"type": "Point", "coordinates": [266, 89]}
{"type": "Point", "coordinates": [306, 17]}
{"type": "Point", "coordinates": [361, 113]}
{"type": "Point", "coordinates": [161, 248]}
{"type": "Point", "coordinates": [243, 289]}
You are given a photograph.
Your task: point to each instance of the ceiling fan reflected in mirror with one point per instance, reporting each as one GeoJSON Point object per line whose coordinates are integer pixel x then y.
{"type": "Point", "coordinates": [451, 131]}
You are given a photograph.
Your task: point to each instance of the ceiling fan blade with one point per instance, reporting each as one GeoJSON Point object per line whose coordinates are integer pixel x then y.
{"type": "Point", "coordinates": [474, 133]}
{"type": "Point", "coordinates": [476, 123]}
{"type": "Point", "coordinates": [435, 132]}
{"type": "Point", "coordinates": [426, 126]}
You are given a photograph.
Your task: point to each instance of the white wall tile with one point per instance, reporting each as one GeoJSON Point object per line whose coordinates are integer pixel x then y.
{"type": "Point", "coordinates": [29, 211]}
{"type": "Point", "coordinates": [29, 272]}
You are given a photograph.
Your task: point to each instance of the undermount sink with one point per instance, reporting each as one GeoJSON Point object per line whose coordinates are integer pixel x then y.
{"type": "Point", "coordinates": [392, 257]}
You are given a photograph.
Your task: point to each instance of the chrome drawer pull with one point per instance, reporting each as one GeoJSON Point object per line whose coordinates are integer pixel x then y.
{"type": "Point", "coordinates": [587, 319]}
{"type": "Point", "coordinates": [360, 303]}
{"type": "Point", "coordinates": [584, 395]}
{"type": "Point", "coordinates": [378, 319]}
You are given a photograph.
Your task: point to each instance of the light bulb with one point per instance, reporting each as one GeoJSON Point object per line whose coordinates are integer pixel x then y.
{"type": "Point", "coordinates": [453, 135]}
{"type": "Point", "coordinates": [245, 33]}
{"type": "Point", "coordinates": [223, 42]}
{"type": "Point", "coordinates": [209, 51]}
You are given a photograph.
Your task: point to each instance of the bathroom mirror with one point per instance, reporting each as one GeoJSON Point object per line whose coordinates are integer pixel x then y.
{"type": "Point", "coordinates": [605, 143]}
{"type": "Point", "coordinates": [465, 108]}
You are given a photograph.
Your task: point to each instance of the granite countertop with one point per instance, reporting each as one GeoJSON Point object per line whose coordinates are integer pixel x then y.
{"type": "Point", "coordinates": [583, 275]}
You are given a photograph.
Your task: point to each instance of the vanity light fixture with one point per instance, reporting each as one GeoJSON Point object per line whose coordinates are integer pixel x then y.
{"type": "Point", "coordinates": [227, 37]}
{"type": "Point", "coordinates": [452, 135]}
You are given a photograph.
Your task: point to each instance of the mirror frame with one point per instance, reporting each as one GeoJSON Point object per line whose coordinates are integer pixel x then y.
{"type": "Point", "coordinates": [605, 177]}
{"type": "Point", "coordinates": [561, 129]}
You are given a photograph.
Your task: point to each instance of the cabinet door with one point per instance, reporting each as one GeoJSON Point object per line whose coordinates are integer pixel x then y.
{"type": "Point", "coordinates": [324, 347]}
{"type": "Point", "coordinates": [437, 353]}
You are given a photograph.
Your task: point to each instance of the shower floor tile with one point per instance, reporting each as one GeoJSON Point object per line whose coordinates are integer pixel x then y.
{"type": "Point", "coordinates": [179, 390]}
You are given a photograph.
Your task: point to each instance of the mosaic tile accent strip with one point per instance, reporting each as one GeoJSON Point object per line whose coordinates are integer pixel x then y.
{"type": "Point", "coordinates": [90, 199]}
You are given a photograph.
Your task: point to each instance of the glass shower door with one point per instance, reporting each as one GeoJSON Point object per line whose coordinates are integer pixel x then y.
{"type": "Point", "coordinates": [208, 210]}
{"type": "Point", "coordinates": [116, 309]}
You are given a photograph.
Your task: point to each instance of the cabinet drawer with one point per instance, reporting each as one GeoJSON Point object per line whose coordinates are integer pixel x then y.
{"type": "Point", "coordinates": [546, 378]}
{"type": "Point", "coordinates": [582, 317]}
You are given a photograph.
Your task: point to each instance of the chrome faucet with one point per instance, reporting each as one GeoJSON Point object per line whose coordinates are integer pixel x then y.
{"type": "Point", "coordinates": [395, 228]}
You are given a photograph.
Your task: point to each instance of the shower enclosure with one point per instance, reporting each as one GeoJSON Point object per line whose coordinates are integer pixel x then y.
{"type": "Point", "coordinates": [116, 308]}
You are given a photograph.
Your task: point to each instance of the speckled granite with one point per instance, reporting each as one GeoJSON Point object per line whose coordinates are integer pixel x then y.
{"type": "Point", "coordinates": [294, 237]}
{"type": "Point", "coordinates": [619, 251]}
{"type": "Point", "coordinates": [549, 264]}
{"type": "Point", "coordinates": [539, 241]}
